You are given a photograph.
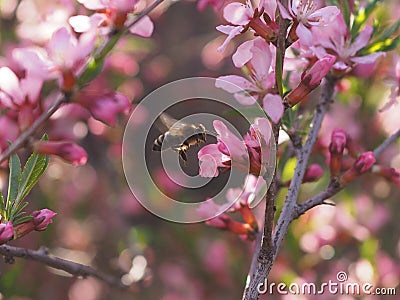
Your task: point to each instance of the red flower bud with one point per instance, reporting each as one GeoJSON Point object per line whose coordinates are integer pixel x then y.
{"type": "Point", "coordinates": [6, 232]}
{"type": "Point", "coordinates": [68, 151]}
{"type": "Point", "coordinates": [313, 173]}
{"type": "Point", "coordinates": [336, 148]}
{"type": "Point", "coordinates": [362, 164]}
{"type": "Point", "coordinates": [42, 218]}
{"type": "Point", "coordinates": [390, 174]}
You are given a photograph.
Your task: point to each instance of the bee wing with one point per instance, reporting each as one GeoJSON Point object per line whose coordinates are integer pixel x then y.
{"type": "Point", "coordinates": [166, 121]}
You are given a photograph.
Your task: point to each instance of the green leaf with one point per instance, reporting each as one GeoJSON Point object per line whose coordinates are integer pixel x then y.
{"type": "Point", "coordinates": [3, 212]}
{"type": "Point", "coordinates": [33, 169]}
{"type": "Point", "coordinates": [14, 178]}
{"type": "Point", "coordinates": [362, 16]}
{"type": "Point", "coordinates": [92, 71]}
{"type": "Point", "coordinates": [22, 220]}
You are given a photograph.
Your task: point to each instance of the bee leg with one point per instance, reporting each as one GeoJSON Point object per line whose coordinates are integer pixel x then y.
{"type": "Point", "coordinates": [183, 156]}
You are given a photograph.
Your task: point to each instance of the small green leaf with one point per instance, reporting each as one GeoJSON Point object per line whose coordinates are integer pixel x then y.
{"type": "Point", "coordinates": [362, 16]}
{"type": "Point", "coordinates": [33, 169]}
{"type": "Point", "coordinates": [14, 178]}
{"type": "Point", "coordinates": [22, 220]}
{"type": "Point", "coordinates": [3, 212]}
{"type": "Point", "coordinates": [92, 71]}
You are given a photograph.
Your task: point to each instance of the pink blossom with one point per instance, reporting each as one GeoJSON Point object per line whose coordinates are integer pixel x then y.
{"type": "Point", "coordinates": [244, 16]}
{"type": "Point", "coordinates": [337, 40]}
{"type": "Point", "coordinates": [311, 79]}
{"type": "Point", "coordinates": [304, 14]}
{"type": "Point", "coordinates": [111, 15]}
{"type": "Point", "coordinates": [252, 192]}
{"type": "Point", "coordinates": [249, 154]}
{"type": "Point", "coordinates": [106, 107]}
{"type": "Point", "coordinates": [259, 59]}
{"type": "Point", "coordinates": [9, 133]}
{"type": "Point", "coordinates": [62, 59]}
{"type": "Point", "coordinates": [68, 151]}
{"type": "Point", "coordinates": [6, 232]}
{"type": "Point", "coordinates": [42, 218]}
{"type": "Point", "coordinates": [20, 94]}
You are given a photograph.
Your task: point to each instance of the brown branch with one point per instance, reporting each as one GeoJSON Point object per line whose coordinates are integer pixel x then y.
{"type": "Point", "coordinates": [378, 151]}
{"type": "Point", "coordinates": [335, 188]}
{"type": "Point", "coordinates": [70, 267]}
{"type": "Point", "coordinates": [143, 13]}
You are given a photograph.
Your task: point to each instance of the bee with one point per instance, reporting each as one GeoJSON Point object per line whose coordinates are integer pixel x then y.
{"type": "Point", "coordinates": [179, 136]}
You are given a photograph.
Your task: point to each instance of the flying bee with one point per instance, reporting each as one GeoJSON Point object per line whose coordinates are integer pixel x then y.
{"type": "Point", "coordinates": [179, 136]}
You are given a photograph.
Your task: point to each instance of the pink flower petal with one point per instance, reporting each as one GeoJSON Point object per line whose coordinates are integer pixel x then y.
{"type": "Point", "coordinates": [243, 54]}
{"type": "Point", "coordinates": [231, 31]}
{"type": "Point", "coordinates": [237, 13]}
{"type": "Point", "coordinates": [143, 28]}
{"type": "Point", "coordinates": [234, 84]}
{"type": "Point", "coordinates": [305, 35]}
{"type": "Point", "coordinates": [9, 83]}
{"type": "Point", "coordinates": [324, 16]}
{"type": "Point", "coordinates": [273, 106]}
{"type": "Point", "coordinates": [80, 23]}
{"type": "Point", "coordinates": [368, 59]}
{"type": "Point", "coordinates": [362, 39]}
{"type": "Point", "coordinates": [245, 98]}
{"type": "Point", "coordinates": [283, 11]}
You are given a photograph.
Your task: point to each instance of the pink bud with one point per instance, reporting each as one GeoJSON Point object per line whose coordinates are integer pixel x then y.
{"type": "Point", "coordinates": [6, 232]}
{"type": "Point", "coordinates": [68, 151]}
{"type": "Point", "coordinates": [336, 148]}
{"type": "Point", "coordinates": [42, 218]}
{"type": "Point", "coordinates": [365, 162]}
{"type": "Point", "coordinates": [390, 174]}
{"type": "Point", "coordinates": [362, 164]}
{"type": "Point", "coordinates": [311, 79]}
{"type": "Point", "coordinates": [313, 173]}
{"type": "Point", "coordinates": [320, 69]}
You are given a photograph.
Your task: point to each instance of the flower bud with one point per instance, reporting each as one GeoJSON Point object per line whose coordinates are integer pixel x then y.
{"type": "Point", "coordinates": [390, 174]}
{"type": "Point", "coordinates": [42, 218]}
{"type": "Point", "coordinates": [362, 164]}
{"type": "Point", "coordinates": [68, 151]}
{"type": "Point", "coordinates": [311, 79]}
{"type": "Point", "coordinates": [313, 173]}
{"type": "Point", "coordinates": [6, 232]}
{"type": "Point", "coordinates": [336, 148]}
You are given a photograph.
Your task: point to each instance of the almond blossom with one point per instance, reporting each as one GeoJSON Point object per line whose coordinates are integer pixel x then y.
{"type": "Point", "coordinates": [20, 94]}
{"type": "Point", "coordinates": [258, 57]}
{"type": "Point", "coordinates": [111, 15]}
{"type": "Point", "coordinates": [244, 16]}
{"type": "Point", "coordinates": [305, 14]}
{"type": "Point", "coordinates": [68, 151]}
{"type": "Point", "coordinates": [337, 40]}
{"type": "Point", "coordinates": [249, 154]}
{"type": "Point", "coordinates": [63, 58]}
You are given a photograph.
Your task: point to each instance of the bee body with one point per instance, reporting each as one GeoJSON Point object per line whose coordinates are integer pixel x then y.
{"type": "Point", "coordinates": [180, 136]}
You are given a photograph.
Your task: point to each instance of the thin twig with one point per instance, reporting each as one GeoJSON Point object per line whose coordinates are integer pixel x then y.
{"type": "Point", "coordinates": [143, 13]}
{"type": "Point", "coordinates": [70, 267]}
{"type": "Point", "coordinates": [378, 151]}
{"type": "Point", "coordinates": [333, 189]}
